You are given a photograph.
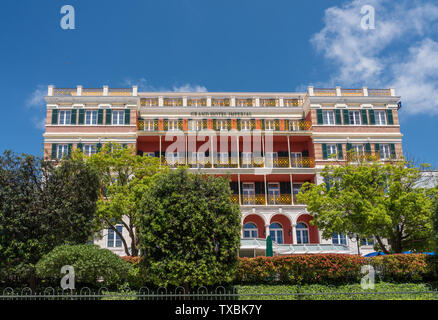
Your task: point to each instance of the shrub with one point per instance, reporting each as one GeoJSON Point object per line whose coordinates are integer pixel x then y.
{"type": "Point", "coordinates": [90, 263]}
{"type": "Point", "coordinates": [403, 267]}
{"type": "Point", "coordinates": [300, 269]}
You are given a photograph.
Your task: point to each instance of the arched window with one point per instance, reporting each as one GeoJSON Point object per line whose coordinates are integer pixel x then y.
{"type": "Point", "coordinates": [250, 230]}
{"type": "Point", "coordinates": [276, 232]}
{"type": "Point", "coordinates": [302, 233]}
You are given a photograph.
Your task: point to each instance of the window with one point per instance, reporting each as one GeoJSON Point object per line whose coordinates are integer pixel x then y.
{"type": "Point", "coordinates": [332, 151]}
{"type": "Point", "coordinates": [302, 233]}
{"type": "Point", "coordinates": [276, 232]}
{"type": "Point", "coordinates": [380, 117]}
{"type": "Point", "coordinates": [271, 159]}
{"type": "Point", "coordinates": [248, 192]}
{"type": "Point", "coordinates": [269, 125]}
{"type": "Point", "coordinates": [149, 125]}
{"type": "Point", "coordinates": [62, 151]}
{"type": "Point", "coordinates": [357, 151]}
{"type": "Point", "coordinates": [250, 231]}
{"type": "Point", "coordinates": [172, 158]}
{"type": "Point", "coordinates": [223, 158]}
{"type": "Point", "coordinates": [114, 240]}
{"type": "Point", "coordinates": [64, 117]}
{"type": "Point", "coordinates": [91, 117]}
{"type": "Point", "coordinates": [195, 125]}
{"type": "Point", "coordinates": [246, 125]}
{"type": "Point", "coordinates": [273, 192]}
{"type": "Point", "coordinates": [328, 117]}
{"type": "Point", "coordinates": [119, 117]}
{"type": "Point", "coordinates": [223, 125]}
{"type": "Point", "coordinates": [89, 149]}
{"type": "Point", "coordinates": [354, 117]}
{"type": "Point", "coordinates": [385, 151]}
{"type": "Point", "coordinates": [172, 125]}
{"type": "Point", "coordinates": [246, 159]}
{"type": "Point", "coordinates": [367, 241]}
{"type": "Point", "coordinates": [339, 238]}
{"type": "Point", "coordinates": [296, 159]}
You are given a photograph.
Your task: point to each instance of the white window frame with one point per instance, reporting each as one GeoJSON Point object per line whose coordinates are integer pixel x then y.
{"type": "Point", "coordinates": [340, 237]}
{"type": "Point", "coordinates": [61, 151]}
{"type": "Point", "coordinates": [328, 117]}
{"type": "Point", "coordinates": [274, 232]}
{"type": "Point", "coordinates": [296, 159]}
{"type": "Point", "coordinates": [90, 117]}
{"type": "Point", "coordinates": [385, 151]}
{"type": "Point", "coordinates": [116, 237]}
{"type": "Point", "coordinates": [354, 116]}
{"type": "Point", "coordinates": [253, 232]}
{"type": "Point", "coordinates": [273, 191]}
{"type": "Point", "coordinates": [118, 117]}
{"type": "Point", "coordinates": [332, 149]}
{"type": "Point", "coordinates": [245, 125]}
{"type": "Point", "coordinates": [149, 125]}
{"type": "Point", "coordinates": [380, 117]}
{"type": "Point", "coordinates": [90, 149]}
{"type": "Point", "coordinates": [172, 125]}
{"type": "Point", "coordinates": [300, 232]}
{"type": "Point", "coordinates": [248, 193]}
{"type": "Point", "coordinates": [269, 124]}
{"type": "Point", "coordinates": [64, 117]}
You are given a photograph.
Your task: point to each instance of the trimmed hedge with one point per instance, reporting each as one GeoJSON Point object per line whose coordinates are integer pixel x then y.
{"type": "Point", "coordinates": [300, 269]}
{"type": "Point", "coordinates": [90, 264]}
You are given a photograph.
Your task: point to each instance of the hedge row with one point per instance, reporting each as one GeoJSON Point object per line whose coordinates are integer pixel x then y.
{"type": "Point", "coordinates": [334, 268]}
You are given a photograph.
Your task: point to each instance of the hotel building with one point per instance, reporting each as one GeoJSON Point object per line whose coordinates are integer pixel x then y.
{"type": "Point", "coordinates": [269, 143]}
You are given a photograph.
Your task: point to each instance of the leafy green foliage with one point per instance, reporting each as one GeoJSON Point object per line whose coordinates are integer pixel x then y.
{"type": "Point", "coordinates": [42, 204]}
{"type": "Point", "coordinates": [189, 230]}
{"type": "Point", "coordinates": [124, 178]}
{"type": "Point", "coordinates": [90, 264]}
{"type": "Point", "coordinates": [372, 199]}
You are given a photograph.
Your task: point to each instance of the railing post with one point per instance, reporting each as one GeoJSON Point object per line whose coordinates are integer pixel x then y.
{"type": "Point", "coordinates": [50, 90]}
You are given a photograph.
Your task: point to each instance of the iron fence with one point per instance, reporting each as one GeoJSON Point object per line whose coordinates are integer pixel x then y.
{"type": "Point", "coordinates": [219, 293]}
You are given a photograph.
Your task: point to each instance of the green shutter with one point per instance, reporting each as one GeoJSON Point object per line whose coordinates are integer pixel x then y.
{"type": "Point", "coordinates": [390, 117]}
{"type": "Point", "coordinates": [165, 125]}
{"type": "Point", "coordinates": [81, 116]}
{"type": "Point", "coordinates": [204, 124]}
{"type": "Point", "coordinates": [80, 146]}
{"type": "Point", "coordinates": [364, 116]}
{"type": "Point", "coordinates": [108, 116]}
{"type": "Point", "coordinates": [98, 147]}
{"type": "Point", "coordinates": [238, 124]}
{"type": "Point", "coordinates": [393, 154]}
{"type": "Point", "coordinates": [127, 116]}
{"type": "Point", "coordinates": [73, 116]}
{"type": "Point", "coordinates": [368, 148]}
{"type": "Point", "coordinates": [277, 124]}
{"type": "Point", "coordinates": [215, 124]}
{"type": "Point", "coordinates": [324, 151]}
{"type": "Point", "coordinates": [340, 152]}
{"type": "Point", "coordinates": [346, 116]}
{"type": "Point", "coordinates": [348, 147]}
{"type": "Point", "coordinates": [70, 148]}
{"type": "Point", "coordinates": [54, 146]}
{"type": "Point", "coordinates": [372, 116]}
{"type": "Point", "coordinates": [319, 116]}
{"type": "Point", "coordinates": [262, 124]}
{"type": "Point", "coordinates": [377, 149]}
{"type": "Point", "coordinates": [338, 116]}
{"type": "Point", "coordinates": [100, 116]}
{"type": "Point", "coordinates": [54, 116]}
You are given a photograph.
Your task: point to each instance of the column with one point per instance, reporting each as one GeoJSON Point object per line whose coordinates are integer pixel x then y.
{"type": "Point", "coordinates": [238, 151]}
{"type": "Point", "coordinates": [238, 187]}
{"type": "Point", "coordinates": [288, 151]}
{"type": "Point", "coordinates": [263, 150]}
{"type": "Point", "coordinates": [267, 230]}
{"type": "Point", "coordinates": [294, 234]}
{"type": "Point", "coordinates": [310, 91]}
{"type": "Point", "coordinates": [266, 192]}
{"type": "Point", "coordinates": [211, 151]}
{"type": "Point", "coordinates": [291, 190]}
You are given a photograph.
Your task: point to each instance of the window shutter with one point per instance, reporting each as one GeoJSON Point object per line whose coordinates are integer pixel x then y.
{"type": "Point", "coordinates": [368, 148]}
{"type": "Point", "coordinates": [372, 117]}
{"type": "Point", "coordinates": [348, 147]}
{"type": "Point", "coordinates": [157, 154]}
{"type": "Point", "coordinates": [393, 154]}
{"type": "Point", "coordinates": [127, 116]}
{"type": "Point", "coordinates": [238, 124]}
{"type": "Point", "coordinates": [55, 116]}
{"type": "Point", "coordinates": [180, 124]}
{"type": "Point", "coordinates": [229, 124]}
{"type": "Point", "coordinates": [73, 116]}
{"type": "Point", "coordinates": [215, 124]}
{"type": "Point", "coordinates": [98, 147]}
{"type": "Point", "coordinates": [81, 116]}
{"type": "Point", "coordinates": [364, 116]}
{"type": "Point", "coordinates": [327, 183]}
{"type": "Point", "coordinates": [377, 149]}
{"type": "Point", "coordinates": [324, 151]}
{"type": "Point", "coordinates": [100, 116]}
{"type": "Point", "coordinates": [283, 187]}
{"type": "Point", "coordinates": [305, 153]}
{"type": "Point", "coordinates": [277, 124]}
{"type": "Point", "coordinates": [70, 148]}
{"type": "Point", "coordinates": [338, 116]}
{"type": "Point", "coordinates": [204, 124]}
{"type": "Point", "coordinates": [346, 116]}
{"type": "Point", "coordinates": [340, 152]}
{"type": "Point", "coordinates": [108, 116]}
{"type": "Point", "coordinates": [319, 116]}
{"type": "Point", "coordinates": [390, 117]}
{"type": "Point", "coordinates": [54, 146]}
{"type": "Point", "coordinates": [80, 146]}
{"type": "Point", "coordinates": [165, 124]}
{"type": "Point", "coordinates": [262, 124]}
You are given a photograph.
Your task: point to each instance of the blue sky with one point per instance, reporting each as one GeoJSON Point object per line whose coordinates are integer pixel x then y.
{"type": "Point", "coordinates": [244, 45]}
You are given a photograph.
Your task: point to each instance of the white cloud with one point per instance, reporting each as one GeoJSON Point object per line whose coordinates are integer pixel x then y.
{"type": "Point", "coordinates": [36, 99]}
{"type": "Point", "coordinates": [39, 123]}
{"type": "Point", "coordinates": [399, 52]}
{"type": "Point", "coordinates": [146, 85]}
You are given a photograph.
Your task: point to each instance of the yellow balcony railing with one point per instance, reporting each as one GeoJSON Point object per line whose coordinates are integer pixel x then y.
{"type": "Point", "coordinates": [352, 92]}
{"type": "Point", "coordinates": [279, 199]}
{"type": "Point", "coordinates": [199, 164]}
{"type": "Point", "coordinates": [235, 198]}
{"type": "Point", "coordinates": [305, 162]}
{"type": "Point", "coordinates": [173, 162]}
{"type": "Point", "coordinates": [257, 199]}
{"type": "Point", "coordinates": [324, 92]}
{"type": "Point", "coordinates": [147, 125]}
{"type": "Point", "coordinates": [300, 125]}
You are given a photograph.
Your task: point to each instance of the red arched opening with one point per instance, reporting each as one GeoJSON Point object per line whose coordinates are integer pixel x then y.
{"type": "Point", "coordinates": [287, 227]}
{"type": "Point", "coordinates": [313, 230]}
{"type": "Point", "coordinates": [258, 221]}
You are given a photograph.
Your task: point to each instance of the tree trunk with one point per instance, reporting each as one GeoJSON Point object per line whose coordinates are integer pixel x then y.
{"type": "Point", "coordinates": [381, 245]}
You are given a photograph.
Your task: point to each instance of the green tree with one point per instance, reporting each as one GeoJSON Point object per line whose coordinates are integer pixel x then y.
{"type": "Point", "coordinates": [372, 199]}
{"type": "Point", "coordinates": [42, 204]}
{"type": "Point", "coordinates": [124, 178]}
{"type": "Point", "coordinates": [190, 230]}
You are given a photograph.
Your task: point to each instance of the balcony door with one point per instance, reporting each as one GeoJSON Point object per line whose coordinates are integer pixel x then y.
{"type": "Point", "coordinates": [276, 232]}
{"type": "Point", "coordinates": [248, 192]}
{"type": "Point", "coordinates": [296, 159]}
{"type": "Point", "coordinates": [273, 192]}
